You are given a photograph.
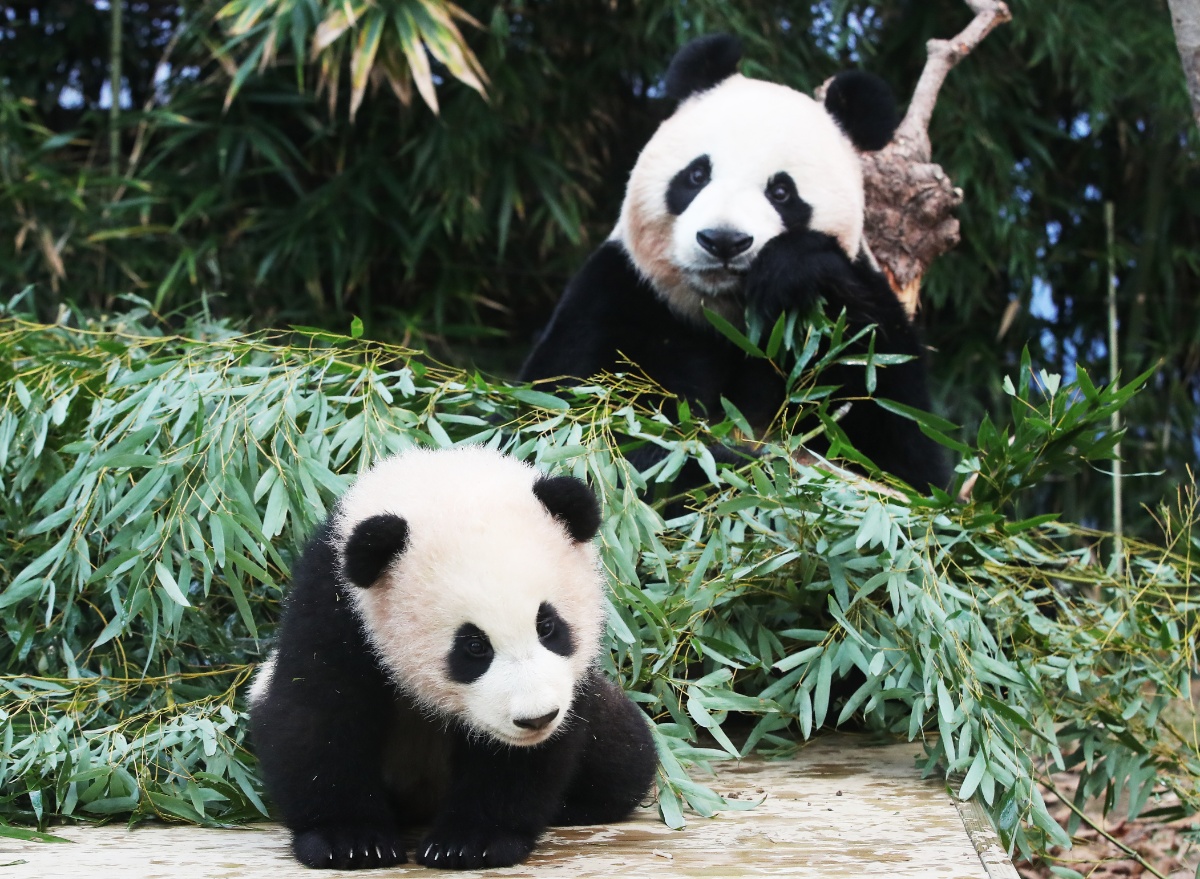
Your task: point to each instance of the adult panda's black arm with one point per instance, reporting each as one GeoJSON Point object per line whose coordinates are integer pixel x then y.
{"type": "Point", "coordinates": [582, 336]}
{"type": "Point", "coordinates": [320, 727]}
{"type": "Point", "coordinates": [798, 269]}
{"type": "Point", "coordinates": [610, 316]}
{"type": "Point", "coordinates": [595, 769]}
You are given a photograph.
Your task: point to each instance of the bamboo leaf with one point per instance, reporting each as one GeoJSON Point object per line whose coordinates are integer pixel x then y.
{"type": "Point", "coordinates": [362, 61]}
{"type": "Point", "coordinates": [418, 61]}
{"type": "Point", "coordinates": [167, 581]}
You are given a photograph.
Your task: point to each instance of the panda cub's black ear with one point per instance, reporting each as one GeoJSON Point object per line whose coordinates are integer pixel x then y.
{"type": "Point", "coordinates": [572, 503]}
{"type": "Point", "coordinates": [863, 106]}
{"type": "Point", "coordinates": [373, 545]}
{"type": "Point", "coordinates": [702, 64]}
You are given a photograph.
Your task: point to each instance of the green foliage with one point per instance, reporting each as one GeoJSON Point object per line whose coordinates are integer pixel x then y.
{"type": "Point", "coordinates": [1052, 430]}
{"type": "Point", "coordinates": [93, 747]}
{"type": "Point", "coordinates": [463, 227]}
{"type": "Point", "coordinates": [155, 489]}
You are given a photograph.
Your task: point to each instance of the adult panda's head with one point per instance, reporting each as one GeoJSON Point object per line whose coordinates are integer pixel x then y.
{"type": "Point", "coordinates": [478, 585]}
{"type": "Point", "coordinates": [739, 162]}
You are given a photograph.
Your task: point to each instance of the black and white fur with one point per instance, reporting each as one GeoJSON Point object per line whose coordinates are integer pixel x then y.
{"type": "Point", "coordinates": [751, 194]}
{"type": "Point", "coordinates": [437, 663]}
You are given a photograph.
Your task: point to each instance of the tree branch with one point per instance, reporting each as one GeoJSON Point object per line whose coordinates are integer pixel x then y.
{"type": "Point", "coordinates": [1185, 17]}
{"type": "Point", "coordinates": [943, 55]}
{"type": "Point", "coordinates": [910, 201]}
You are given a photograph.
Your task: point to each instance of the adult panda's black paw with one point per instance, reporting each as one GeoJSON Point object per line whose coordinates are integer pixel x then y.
{"type": "Point", "coordinates": [462, 850]}
{"type": "Point", "coordinates": [793, 270]}
{"type": "Point", "coordinates": [348, 847]}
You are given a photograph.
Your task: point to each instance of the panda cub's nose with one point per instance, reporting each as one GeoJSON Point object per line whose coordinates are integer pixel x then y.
{"type": "Point", "coordinates": [535, 723]}
{"type": "Point", "coordinates": [724, 244]}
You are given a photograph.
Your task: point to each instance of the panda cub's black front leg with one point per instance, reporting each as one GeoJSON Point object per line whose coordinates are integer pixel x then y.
{"type": "Point", "coordinates": [501, 799]}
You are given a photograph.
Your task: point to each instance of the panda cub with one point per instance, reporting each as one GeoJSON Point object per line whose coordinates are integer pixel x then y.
{"type": "Point", "coordinates": [749, 195]}
{"type": "Point", "coordinates": [438, 664]}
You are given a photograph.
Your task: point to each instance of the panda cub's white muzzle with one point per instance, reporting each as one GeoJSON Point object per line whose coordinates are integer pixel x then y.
{"type": "Point", "coordinates": [522, 700]}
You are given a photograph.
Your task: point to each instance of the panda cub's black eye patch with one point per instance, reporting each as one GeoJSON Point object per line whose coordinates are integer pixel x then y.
{"type": "Point", "coordinates": [553, 631]}
{"type": "Point", "coordinates": [470, 655]}
{"type": "Point", "coordinates": [686, 185]}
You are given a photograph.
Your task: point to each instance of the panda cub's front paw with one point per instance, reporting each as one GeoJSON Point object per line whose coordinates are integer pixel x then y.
{"type": "Point", "coordinates": [348, 847]}
{"type": "Point", "coordinates": [459, 850]}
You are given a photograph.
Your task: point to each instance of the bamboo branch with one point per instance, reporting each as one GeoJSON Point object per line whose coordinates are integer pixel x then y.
{"type": "Point", "coordinates": [114, 110]}
{"type": "Point", "coordinates": [139, 140]}
{"type": "Point", "coordinates": [1091, 822]}
{"type": "Point", "coordinates": [1118, 523]}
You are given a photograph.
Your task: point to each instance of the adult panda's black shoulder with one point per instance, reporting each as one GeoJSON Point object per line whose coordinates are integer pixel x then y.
{"type": "Point", "coordinates": [750, 193]}
{"type": "Point", "coordinates": [437, 664]}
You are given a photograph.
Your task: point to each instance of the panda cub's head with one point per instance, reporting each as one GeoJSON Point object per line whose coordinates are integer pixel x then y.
{"type": "Point", "coordinates": [739, 162]}
{"type": "Point", "coordinates": [478, 585]}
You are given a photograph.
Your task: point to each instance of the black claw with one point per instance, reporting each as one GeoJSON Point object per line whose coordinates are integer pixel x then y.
{"type": "Point", "coordinates": [348, 848]}
{"type": "Point", "coordinates": [476, 852]}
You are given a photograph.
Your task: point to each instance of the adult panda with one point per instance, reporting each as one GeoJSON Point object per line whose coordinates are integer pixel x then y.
{"type": "Point", "coordinates": [437, 663]}
{"type": "Point", "coordinates": [750, 194]}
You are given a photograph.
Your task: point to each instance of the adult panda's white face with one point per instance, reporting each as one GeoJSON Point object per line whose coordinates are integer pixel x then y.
{"type": "Point", "coordinates": [740, 162]}
{"type": "Point", "coordinates": [478, 585]}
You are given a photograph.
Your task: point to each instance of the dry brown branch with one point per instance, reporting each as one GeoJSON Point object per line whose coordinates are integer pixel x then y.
{"type": "Point", "coordinates": [910, 201]}
{"type": "Point", "coordinates": [943, 55]}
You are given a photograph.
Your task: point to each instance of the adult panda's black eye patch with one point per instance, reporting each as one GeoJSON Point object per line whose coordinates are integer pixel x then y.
{"type": "Point", "coordinates": [553, 631]}
{"type": "Point", "coordinates": [781, 192]}
{"type": "Point", "coordinates": [471, 654]}
{"type": "Point", "coordinates": [686, 185]}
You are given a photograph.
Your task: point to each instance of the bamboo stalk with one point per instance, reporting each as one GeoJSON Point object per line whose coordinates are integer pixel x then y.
{"type": "Point", "coordinates": [114, 81]}
{"type": "Point", "coordinates": [1118, 523]}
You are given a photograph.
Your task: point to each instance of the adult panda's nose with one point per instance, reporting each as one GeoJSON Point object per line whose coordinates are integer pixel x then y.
{"type": "Point", "coordinates": [724, 244]}
{"type": "Point", "coordinates": [536, 723]}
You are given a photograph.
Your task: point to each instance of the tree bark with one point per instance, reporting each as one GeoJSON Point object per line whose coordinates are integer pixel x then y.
{"type": "Point", "coordinates": [1185, 17]}
{"type": "Point", "coordinates": [911, 201]}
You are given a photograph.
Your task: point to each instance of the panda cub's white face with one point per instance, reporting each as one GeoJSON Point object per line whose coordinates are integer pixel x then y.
{"type": "Point", "coordinates": [491, 613]}
{"type": "Point", "coordinates": [515, 680]}
{"type": "Point", "coordinates": [731, 169]}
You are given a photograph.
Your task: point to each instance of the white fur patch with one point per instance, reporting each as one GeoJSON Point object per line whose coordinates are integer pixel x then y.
{"type": "Point", "coordinates": [481, 550]}
{"type": "Point", "coordinates": [262, 680]}
{"type": "Point", "coordinates": [751, 130]}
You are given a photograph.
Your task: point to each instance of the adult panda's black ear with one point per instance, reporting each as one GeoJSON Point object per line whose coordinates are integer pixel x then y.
{"type": "Point", "coordinates": [572, 503]}
{"type": "Point", "coordinates": [702, 64]}
{"type": "Point", "coordinates": [374, 544]}
{"type": "Point", "coordinates": [863, 106]}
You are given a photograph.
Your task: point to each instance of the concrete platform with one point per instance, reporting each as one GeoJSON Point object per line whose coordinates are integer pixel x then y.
{"type": "Point", "coordinates": [841, 808]}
